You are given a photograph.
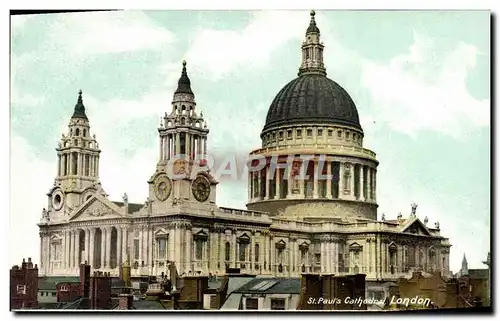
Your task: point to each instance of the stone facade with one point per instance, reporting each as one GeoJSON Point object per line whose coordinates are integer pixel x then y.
{"type": "Point", "coordinates": [291, 226]}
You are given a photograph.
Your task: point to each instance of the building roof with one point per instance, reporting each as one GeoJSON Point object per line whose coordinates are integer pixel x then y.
{"type": "Point", "coordinates": [312, 98]}
{"type": "Point", "coordinates": [132, 207]}
{"type": "Point", "coordinates": [271, 286]}
{"type": "Point", "coordinates": [479, 273]}
{"type": "Point", "coordinates": [79, 108]}
{"type": "Point", "coordinates": [184, 84]}
{"type": "Point", "coordinates": [48, 283]}
{"type": "Point", "coordinates": [150, 305]}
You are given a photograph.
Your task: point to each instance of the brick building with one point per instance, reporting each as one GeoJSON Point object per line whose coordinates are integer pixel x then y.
{"type": "Point", "coordinates": [24, 286]}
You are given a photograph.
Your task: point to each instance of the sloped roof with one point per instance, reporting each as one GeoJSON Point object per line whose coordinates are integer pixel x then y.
{"type": "Point", "coordinates": [132, 207]}
{"type": "Point", "coordinates": [48, 283]}
{"type": "Point", "coordinates": [280, 286]}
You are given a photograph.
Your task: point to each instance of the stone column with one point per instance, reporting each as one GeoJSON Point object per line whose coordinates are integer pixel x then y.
{"type": "Point", "coordinates": [188, 144]}
{"type": "Point", "coordinates": [352, 182]}
{"type": "Point", "coordinates": [259, 183]}
{"type": "Point", "coordinates": [368, 195]}
{"type": "Point", "coordinates": [266, 169]}
{"type": "Point", "coordinates": [96, 166]}
{"type": "Point", "coordinates": [150, 248]}
{"type": "Point", "coordinates": [361, 186]}
{"type": "Point", "coordinates": [373, 259]}
{"type": "Point", "coordinates": [374, 185]}
{"type": "Point", "coordinates": [204, 146]}
{"type": "Point", "coordinates": [315, 181]}
{"type": "Point", "coordinates": [234, 249]}
{"type": "Point", "coordinates": [323, 256]}
{"type": "Point", "coordinates": [341, 180]}
{"type": "Point", "coordinates": [277, 173]}
{"type": "Point", "coordinates": [108, 247]}
{"type": "Point", "coordinates": [119, 257]}
{"type": "Point", "coordinates": [161, 148]}
{"type": "Point", "coordinates": [328, 256]}
{"type": "Point", "coordinates": [366, 258]}
{"type": "Point", "coordinates": [103, 248]}
{"type": "Point", "coordinates": [329, 180]}
{"type": "Point", "coordinates": [76, 246]}
{"type": "Point", "coordinates": [125, 245]}
{"type": "Point", "coordinates": [141, 244]}
{"type": "Point", "coordinates": [251, 252]}
{"type": "Point", "coordinates": [177, 143]}
{"type": "Point", "coordinates": [289, 183]}
{"type": "Point", "coordinates": [65, 264]}
{"type": "Point", "coordinates": [92, 247]}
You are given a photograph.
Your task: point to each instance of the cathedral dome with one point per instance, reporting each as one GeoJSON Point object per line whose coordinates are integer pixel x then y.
{"type": "Point", "coordinates": [312, 98]}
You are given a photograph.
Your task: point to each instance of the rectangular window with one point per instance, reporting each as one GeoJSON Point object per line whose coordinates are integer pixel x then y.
{"type": "Point", "coordinates": [136, 249]}
{"type": "Point", "coordinates": [257, 252]}
{"type": "Point", "coordinates": [228, 251]}
{"type": "Point", "coordinates": [330, 133]}
{"type": "Point", "coordinates": [317, 258]}
{"type": "Point", "coordinates": [289, 134]}
{"type": "Point", "coordinates": [162, 248]}
{"type": "Point", "coordinates": [252, 304]}
{"type": "Point", "coordinates": [21, 289]}
{"type": "Point", "coordinates": [199, 249]}
{"type": "Point", "coordinates": [243, 250]}
{"type": "Point", "coordinates": [320, 132]}
{"type": "Point", "coordinates": [277, 304]}
{"type": "Point", "coordinates": [347, 136]}
{"type": "Point", "coordinates": [309, 132]}
{"type": "Point", "coordinates": [299, 133]}
{"type": "Point", "coordinates": [339, 134]}
{"type": "Point", "coordinates": [281, 135]}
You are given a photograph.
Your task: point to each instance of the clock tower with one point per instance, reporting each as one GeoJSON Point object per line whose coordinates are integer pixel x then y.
{"type": "Point", "coordinates": [182, 177]}
{"type": "Point", "coordinates": [77, 168]}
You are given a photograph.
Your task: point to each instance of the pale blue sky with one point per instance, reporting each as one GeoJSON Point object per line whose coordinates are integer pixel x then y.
{"type": "Point", "coordinates": [420, 80]}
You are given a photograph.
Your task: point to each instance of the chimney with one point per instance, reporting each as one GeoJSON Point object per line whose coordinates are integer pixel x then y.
{"type": "Point", "coordinates": [125, 301]}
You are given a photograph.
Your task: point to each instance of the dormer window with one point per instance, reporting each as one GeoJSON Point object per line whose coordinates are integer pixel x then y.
{"type": "Point", "coordinates": [347, 135]}
{"type": "Point", "coordinates": [339, 134]}
{"type": "Point", "coordinates": [330, 133]}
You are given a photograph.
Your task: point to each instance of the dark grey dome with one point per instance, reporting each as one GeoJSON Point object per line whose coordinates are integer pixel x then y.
{"type": "Point", "coordinates": [312, 98]}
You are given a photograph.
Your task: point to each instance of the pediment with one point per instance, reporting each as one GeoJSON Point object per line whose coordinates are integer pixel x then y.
{"type": "Point", "coordinates": [415, 227]}
{"type": "Point", "coordinates": [244, 238]}
{"type": "Point", "coordinates": [96, 208]}
{"type": "Point", "coordinates": [161, 233]}
{"type": "Point", "coordinates": [355, 247]}
{"type": "Point", "coordinates": [201, 235]}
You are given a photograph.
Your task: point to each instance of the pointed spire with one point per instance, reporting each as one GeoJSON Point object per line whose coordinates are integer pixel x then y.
{"type": "Point", "coordinates": [79, 108]}
{"type": "Point", "coordinates": [184, 84]}
{"type": "Point", "coordinates": [312, 25]}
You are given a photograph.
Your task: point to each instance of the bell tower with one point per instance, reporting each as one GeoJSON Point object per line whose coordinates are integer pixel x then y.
{"type": "Point", "coordinates": [77, 167]}
{"type": "Point", "coordinates": [312, 50]}
{"type": "Point", "coordinates": [182, 152]}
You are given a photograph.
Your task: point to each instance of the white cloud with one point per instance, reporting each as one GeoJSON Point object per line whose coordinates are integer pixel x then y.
{"type": "Point", "coordinates": [107, 32]}
{"type": "Point", "coordinates": [422, 91]}
{"type": "Point", "coordinates": [222, 51]}
{"type": "Point", "coordinates": [27, 198]}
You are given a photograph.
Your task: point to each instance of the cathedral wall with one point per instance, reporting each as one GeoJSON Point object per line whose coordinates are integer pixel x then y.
{"type": "Point", "coordinates": [317, 208]}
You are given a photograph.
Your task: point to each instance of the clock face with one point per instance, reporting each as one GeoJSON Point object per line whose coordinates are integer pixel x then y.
{"type": "Point", "coordinates": [57, 200]}
{"type": "Point", "coordinates": [163, 187]}
{"type": "Point", "coordinates": [201, 189]}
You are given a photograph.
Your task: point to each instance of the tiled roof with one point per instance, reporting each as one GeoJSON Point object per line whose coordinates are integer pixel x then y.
{"type": "Point", "coordinates": [132, 207]}
{"type": "Point", "coordinates": [48, 283]}
{"type": "Point", "coordinates": [281, 286]}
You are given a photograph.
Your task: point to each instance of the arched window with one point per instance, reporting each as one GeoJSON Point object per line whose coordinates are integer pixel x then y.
{"type": "Point", "coordinates": [77, 132]}
{"type": "Point", "coordinates": [228, 251]}
{"type": "Point", "coordinates": [84, 133]}
{"type": "Point", "coordinates": [257, 252]}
